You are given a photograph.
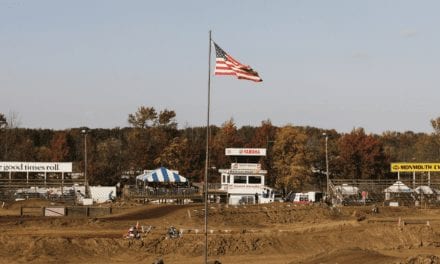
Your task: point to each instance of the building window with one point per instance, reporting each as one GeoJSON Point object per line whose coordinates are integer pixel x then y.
{"type": "Point", "coordinates": [239, 179]}
{"type": "Point", "coordinates": [255, 179]}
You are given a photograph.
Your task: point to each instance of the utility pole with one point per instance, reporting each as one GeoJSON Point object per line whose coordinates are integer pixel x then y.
{"type": "Point", "coordinates": [84, 131]}
{"type": "Point", "coordinates": [326, 161]}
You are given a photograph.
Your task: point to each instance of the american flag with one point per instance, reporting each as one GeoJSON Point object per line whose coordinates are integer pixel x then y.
{"type": "Point", "coordinates": [226, 65]}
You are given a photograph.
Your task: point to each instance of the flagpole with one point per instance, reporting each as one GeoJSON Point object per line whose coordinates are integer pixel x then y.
{"type": "Point", "coordinates": [207, 151]}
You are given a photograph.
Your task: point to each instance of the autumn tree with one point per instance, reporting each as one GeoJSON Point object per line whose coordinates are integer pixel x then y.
{"type": "Point", "coordinates": [196, 154]}
{"type": "Point", "coordinates": [59, 147]}
{"type": "Point", "coordinates": [167, 119]}
{"type": "Point", "coordinates": [19, 145]}
{"type": "Point", "coordinates": [435, 123]}
{"type": "Point", "coordinates": [361, 156]}
{"type": "Point", "coordinates": [3, 121]}
{"type": "Point", "coordinates": [139, 148]}
{"type": "Point", "coordinates": [105, 163]}
{"type": "Point", "coordinates": [400, 147]}
{"type": "Point", "coordinates": [226, 137]}
{"type": "Point", "coordinates": [145, 139]}
{"type": "Point", "coordinates": [174, 156]}
{"type": "Point", "coordinates": [3, 136]}
{"type": "Point", "coordinates": [10, 135]}
{"type": "Point", "coordinates": [436, 126]}
{"type": "Point", "coordinates": [43, 153]}
{"type": "Point", "coordinates": [144, 117]}
{"type": "Point", "coordinates": [264, 137]}
{"type": "Point", "coordinates": [426, 149]}
{"type": "Point", "coordinates": [291, 159]}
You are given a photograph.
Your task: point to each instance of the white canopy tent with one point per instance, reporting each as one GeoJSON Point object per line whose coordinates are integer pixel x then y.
{"type": "Point", "coordinates": [424, 189]}
{"type": "Point", "coordinates": [398, 187]}
{"type": "Point", "coordinates": [398, 191]}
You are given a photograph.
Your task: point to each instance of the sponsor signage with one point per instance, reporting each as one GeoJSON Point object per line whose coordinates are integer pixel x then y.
{"type": "Point", "coordinates": [412, 167]}
{"type": "Point", "coordinates": [245, 166]}
{"type": "Point", "coordinates": [15, 166]}
{"type": "Point", "coordinates": [245, 152]}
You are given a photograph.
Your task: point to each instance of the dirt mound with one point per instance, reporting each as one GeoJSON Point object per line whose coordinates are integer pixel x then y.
{"type": "Point", "coordinates": [270, 215]}
{"type": "Point", "coordinates": [349, 255]}
{"type": "Point", "coordinates": [422, 259]}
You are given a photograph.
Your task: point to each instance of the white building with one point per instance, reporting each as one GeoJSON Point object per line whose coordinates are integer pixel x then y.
{"type": "Point", "coordinates": [244, 180]}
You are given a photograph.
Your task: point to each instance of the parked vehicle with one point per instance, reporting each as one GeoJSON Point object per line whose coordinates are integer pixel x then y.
{"type": "Point", "coordinates": [304, 198]}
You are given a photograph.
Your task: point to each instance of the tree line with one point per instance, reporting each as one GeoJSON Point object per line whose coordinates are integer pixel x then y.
{"type": "Point", "coordinates": [296, 157]}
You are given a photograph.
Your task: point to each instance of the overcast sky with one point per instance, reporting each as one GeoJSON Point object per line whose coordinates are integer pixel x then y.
{"type": "Point", "coordinates": [327, 64]}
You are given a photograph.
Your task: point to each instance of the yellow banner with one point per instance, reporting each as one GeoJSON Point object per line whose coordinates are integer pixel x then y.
{"type": "Point", "coordinates": [411, 167]}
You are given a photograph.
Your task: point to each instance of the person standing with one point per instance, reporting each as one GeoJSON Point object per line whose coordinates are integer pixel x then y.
{"type": "Point", "coordinates": [256, 198]}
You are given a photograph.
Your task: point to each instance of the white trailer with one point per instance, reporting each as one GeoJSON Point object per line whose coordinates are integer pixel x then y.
{"type": "Point", "coordinates": [304, 197]}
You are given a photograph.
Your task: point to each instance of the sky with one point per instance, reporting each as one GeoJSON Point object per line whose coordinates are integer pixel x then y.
{"type": "Point", "coordinates": [327, 64]}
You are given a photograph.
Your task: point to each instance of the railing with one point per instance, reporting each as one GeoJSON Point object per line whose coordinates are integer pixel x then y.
{"type": "Point", "coordinates": [161, 192]}
{"type": "Point", "coordinates": [22, 183]}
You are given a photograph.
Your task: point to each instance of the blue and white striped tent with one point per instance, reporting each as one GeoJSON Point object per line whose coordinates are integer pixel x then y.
{"type": "Point", "coordinates": [161, 174]}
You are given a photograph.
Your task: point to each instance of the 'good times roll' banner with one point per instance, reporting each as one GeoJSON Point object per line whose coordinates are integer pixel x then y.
{"type": "Point", "coordinates": [14, 166]}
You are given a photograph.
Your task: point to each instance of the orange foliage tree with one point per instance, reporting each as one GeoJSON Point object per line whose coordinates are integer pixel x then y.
{"type": "Point", "coordinates": [361, 156]}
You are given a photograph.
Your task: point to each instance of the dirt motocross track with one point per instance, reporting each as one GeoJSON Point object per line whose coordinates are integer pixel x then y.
{"type": "Point", "coordinates": [273, 233]}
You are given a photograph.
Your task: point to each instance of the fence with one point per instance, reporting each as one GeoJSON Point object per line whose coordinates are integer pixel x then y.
{"type": "Point", "coordinates": [407, 191]}
{"type": "Point", "coordinates": [71, 211]}
{"type": "Point", "coordinates": [51, 189]}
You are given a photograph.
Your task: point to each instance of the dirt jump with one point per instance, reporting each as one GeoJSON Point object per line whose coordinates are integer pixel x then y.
{"type": "Point", "coordinates": [270, 233]}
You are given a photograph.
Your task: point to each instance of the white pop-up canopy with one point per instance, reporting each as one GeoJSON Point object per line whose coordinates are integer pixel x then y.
{"type": "Point", "coordinates": [426, 190]}
{"type": "Point", "coordinates": [398, 187]}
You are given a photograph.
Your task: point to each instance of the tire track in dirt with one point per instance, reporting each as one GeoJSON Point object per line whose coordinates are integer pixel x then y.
{"type": "Point", "coordinates": [149, 213]}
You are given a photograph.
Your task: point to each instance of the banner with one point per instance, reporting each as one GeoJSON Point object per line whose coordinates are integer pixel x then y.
{"type": "Point", "coordinates": [245, 152]}
{"type": "Point", "coordinates": [14, 166]}
{"type": "Point", "coordinates": [414, 167]}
